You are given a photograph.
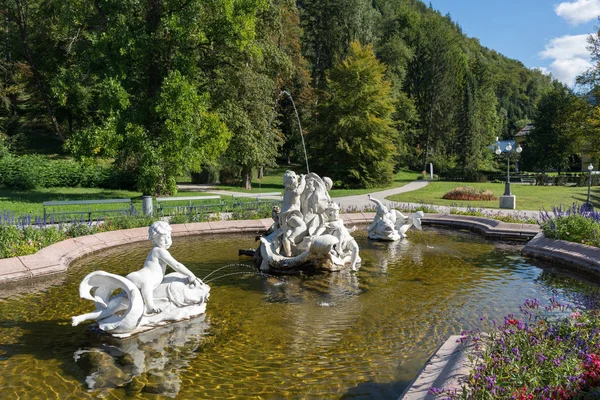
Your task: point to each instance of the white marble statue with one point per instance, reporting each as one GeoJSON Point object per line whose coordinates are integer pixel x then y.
{"type": "Point", "coordinates": [307, 231]}
{"type": "Point", "coordinates": [391, 225]}
{"type": "Point", "coordinates": [148, 297]}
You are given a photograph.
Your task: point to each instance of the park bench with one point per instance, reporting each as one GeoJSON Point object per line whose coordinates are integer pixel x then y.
{"type": "Point", "coordinates": [188, 204]}
{"type": "Point", "coordinates": [51, 208]}
{"type": "Point", "coordinates": [255, 201]}
{"type": "Point", "coordinates": [528, 180]}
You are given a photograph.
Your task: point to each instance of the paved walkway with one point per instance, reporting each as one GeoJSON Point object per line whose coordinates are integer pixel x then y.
{"type": "Point", "coordinates": [361, 202]}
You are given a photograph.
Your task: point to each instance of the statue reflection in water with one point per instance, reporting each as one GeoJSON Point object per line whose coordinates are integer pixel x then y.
{"type": "Point", "coordinates": [149, 362]}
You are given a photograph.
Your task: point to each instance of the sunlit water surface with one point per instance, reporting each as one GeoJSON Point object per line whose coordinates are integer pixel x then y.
{"type": "Point", "coordinates": [338, 335]}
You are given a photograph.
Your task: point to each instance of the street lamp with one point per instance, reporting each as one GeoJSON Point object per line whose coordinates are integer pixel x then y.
{"type": "Point", "coordinates": [507, 200]}
{"type": "Point", "coordinates": [588, 203]}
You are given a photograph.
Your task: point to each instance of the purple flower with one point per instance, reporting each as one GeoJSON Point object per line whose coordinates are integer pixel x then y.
{"type": "Point", "coordinates": [434, 390]}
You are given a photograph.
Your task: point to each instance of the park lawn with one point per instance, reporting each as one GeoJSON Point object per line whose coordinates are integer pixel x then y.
{"type": "Point", "coordinates": [528, 197]}
{"type": "Point", "coordinates": [401, 178]}
{"type": "Point", "coordinates": [272, 181]}
{"type": "Point", "coordinates": [23, 202]}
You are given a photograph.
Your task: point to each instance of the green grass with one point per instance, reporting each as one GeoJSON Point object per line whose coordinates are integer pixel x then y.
{"type": "Point", "coordinates": [528, 197]}
{"type": "Point", "coordinates": [272, 181]}
{"type": "Point", "coordinates": [23, 202]}
{"type": "Point", "coordinates": [400, 179]}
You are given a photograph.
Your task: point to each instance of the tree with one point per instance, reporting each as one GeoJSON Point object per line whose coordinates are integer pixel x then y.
{"type": "Point", "coordinates": [478, 121]}
{"type": "Point", "coordinates": [329, 28]}
{"type": "Point", "coordinates": [20, 16]}
{"type": "Point", "coordinates": [560, 126]}
{"type": "Point", "coordinates": [354, 143]}
{"type": "Point", "coordinates": [156, 57]}
{"type": "Point", "coordinates": [433, 85]}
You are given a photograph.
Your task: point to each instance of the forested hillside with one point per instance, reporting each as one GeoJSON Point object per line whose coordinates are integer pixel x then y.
{"type": "Point", "coordinates": [161, 87]}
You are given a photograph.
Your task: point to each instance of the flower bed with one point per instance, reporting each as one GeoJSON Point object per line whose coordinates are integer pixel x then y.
{"type": "Point", "coordinates": [469, 193]}
{"type": "Point", "coordinates": [574, 224]}
{"type": "Point", "coordinates": [550, 352]}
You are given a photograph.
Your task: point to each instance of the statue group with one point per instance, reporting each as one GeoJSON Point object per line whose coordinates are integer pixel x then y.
{"type": "Point", "coordinates": [307, 231]}
{"type": "Point", "coordinates": [307, 234]}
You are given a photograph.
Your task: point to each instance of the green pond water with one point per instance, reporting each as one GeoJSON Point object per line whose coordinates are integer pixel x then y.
{"type": "Point", "coordinates": [337, 335]}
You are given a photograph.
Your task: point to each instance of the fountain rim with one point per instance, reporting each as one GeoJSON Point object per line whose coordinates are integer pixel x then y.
{"type": "Point", "coordinates": [56, 258]}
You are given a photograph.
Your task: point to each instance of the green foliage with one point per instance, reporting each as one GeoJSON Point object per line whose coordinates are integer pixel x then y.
{"type": "Point", "coordinates": [559, 130]}
{"type": "Point", "coordinates": [244, 214]}
{"type": "Point", "coordinates": [15, 241]}
{"type": "Point", "coordinates": [31, 172]}
{"type": "Point", "coordinates": [330, 27]}
{"type": "Point", "coordinates": [432, 83]}
{"type": "Point", "coordinates": [354, 143]}
{"type": "Point", "coordinates": [129, 81]}
{"type": "Point", "coordinates": [573, 228]}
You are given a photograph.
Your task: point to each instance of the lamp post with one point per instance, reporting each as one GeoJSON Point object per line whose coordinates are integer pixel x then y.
{"type": "Point", "coordinates": [588, 203]}
{"type": "Point", "coordinates": [507, 200]}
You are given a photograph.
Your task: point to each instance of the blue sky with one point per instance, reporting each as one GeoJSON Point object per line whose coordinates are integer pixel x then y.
{"type": "Point", "coordinates": [545, 34]}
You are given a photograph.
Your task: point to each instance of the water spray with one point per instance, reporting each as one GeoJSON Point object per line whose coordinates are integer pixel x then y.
{"type": "Point", "coordinates": [226, 266]}
{"type": "Point", "coordinates": [285, 92]}
{"type": "Point", "coordinates": [240, 273]}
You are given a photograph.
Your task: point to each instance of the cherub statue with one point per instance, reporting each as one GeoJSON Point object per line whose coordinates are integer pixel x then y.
{"type": "Point", "coordinates": [335, 227]}
{"type": "Point", "coordinates": [291, 221]}
{"type": "Point", "coordinates": [152, 273]}
{"type": "Point", "coordinates": [127, 305]}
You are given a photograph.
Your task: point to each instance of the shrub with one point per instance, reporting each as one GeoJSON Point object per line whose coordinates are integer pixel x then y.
{"type": "Point", "coordinates": [574, 224]}
{"type": "Point", "coordinates": [469, 193]}
{"type": "Point", "coordinates": [36, 171]}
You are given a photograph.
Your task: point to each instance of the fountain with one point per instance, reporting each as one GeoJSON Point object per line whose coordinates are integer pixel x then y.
{"type": "Point", "coordinates": [146, 298]}
{"type": "Point", "coordinates": [325, 336]}
{"type": "Point", "coordinates": [307, 231]}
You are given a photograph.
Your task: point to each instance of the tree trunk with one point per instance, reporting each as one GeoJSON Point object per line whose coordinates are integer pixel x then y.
{"type": "Point", "coordinates": [261, 172]}
{"type": "Point", "coordinates": [247, 177]}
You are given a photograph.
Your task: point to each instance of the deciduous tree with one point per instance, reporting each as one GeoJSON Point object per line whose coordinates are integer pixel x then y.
{"type": "Point", "coordinates": [355, 141]}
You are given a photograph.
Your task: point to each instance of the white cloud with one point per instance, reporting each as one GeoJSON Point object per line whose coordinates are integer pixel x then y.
{"type": "Point", "coordinates": [570, 55]}
{"type": "Point", "coordinates": [543, 70]}
{"type": "Point", "coordinates": [579, 11]}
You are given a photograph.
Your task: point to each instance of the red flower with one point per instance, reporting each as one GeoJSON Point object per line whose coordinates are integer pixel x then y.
{"type": "Point", "coordinates": [523, 395]}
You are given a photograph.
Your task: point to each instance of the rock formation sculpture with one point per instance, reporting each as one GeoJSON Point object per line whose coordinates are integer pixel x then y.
{"type": "Point", "coordinates": [391, 225]}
